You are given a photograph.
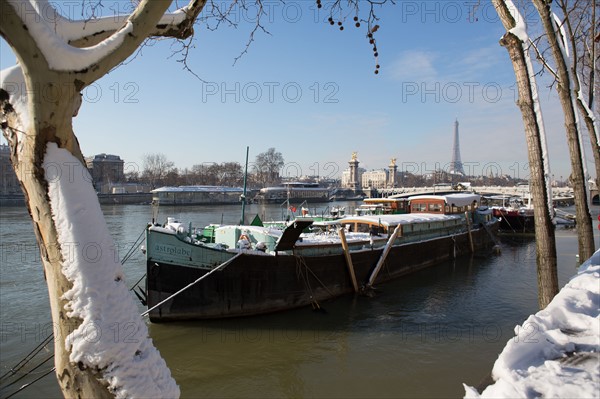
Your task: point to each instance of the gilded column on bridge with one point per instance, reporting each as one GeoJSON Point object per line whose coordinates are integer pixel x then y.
{"type": "Point", "coordinates": [393, 173]}
{"type": "Point", "coordinates": [354, 184]}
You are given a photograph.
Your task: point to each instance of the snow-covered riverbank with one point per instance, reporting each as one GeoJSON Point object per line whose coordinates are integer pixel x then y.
{"type": "Point", "coordinates": [555, 353]}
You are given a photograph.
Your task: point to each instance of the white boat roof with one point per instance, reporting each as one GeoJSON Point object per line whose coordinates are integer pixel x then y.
{"type": "Point", "coordinates": [194, 189]}
{"type": "Point", "coordinates": [396, 219]}
{"type": "Point", "coordinates": [451, 199]}
{"type": "Point", "coordinates": [383, 200]}
{"type": "Point", "coordinates": [253, 229]}
{"type": "Point", "coordinates": [293, 188]}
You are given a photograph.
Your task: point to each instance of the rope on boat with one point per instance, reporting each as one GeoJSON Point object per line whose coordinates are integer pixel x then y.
{"type": "Point", "coordinates": [30, 383]}
{"type": "Point", "coordinates": [304, 276]}
{"type": "Point", "coordinates": [300, 262]}
{"type": "Point", "coordinates": [492, 236]}
{"type": "Point", "coordinates": [13, 370]}
{"type": "Point", "coordinates": [317, 278]}
{"type": "Point", "coordinates": [29, 372]}
{"type": "Point", "coordinates": [133, 248]}
{"type": "Point", "coordinates": [220, 267]}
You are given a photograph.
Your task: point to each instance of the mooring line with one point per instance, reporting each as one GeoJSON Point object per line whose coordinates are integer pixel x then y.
{"type": "Point", "coordinates": [29, 357]}
{"type": "Point", "coordinates": [221, 266]}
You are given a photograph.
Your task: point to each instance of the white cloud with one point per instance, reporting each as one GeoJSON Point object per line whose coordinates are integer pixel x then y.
{"type": "Point", "coordinates": [414, 65]}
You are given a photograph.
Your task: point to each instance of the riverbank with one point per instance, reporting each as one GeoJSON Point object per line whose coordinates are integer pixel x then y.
{"type": "Point", "coordinates": [104, 199]}
{"type": "Point", "coordinates": [555, 352]}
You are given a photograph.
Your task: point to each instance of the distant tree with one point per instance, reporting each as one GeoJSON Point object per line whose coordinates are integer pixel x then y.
{"type": "Point", "coordinates": [200, 174]}
{"type": "Point", "coordinates": [172, 178]}
{"type": "Point", "coordinates": [267, 166]}
{"type": "Point", "coordinates": [132, 176]}
{"type": "Point", "coordinates": [231, 174]}
{"type": "Point", "coordinates": [156, 168]}
{"type": "Point", "coordinates": [214, 174]}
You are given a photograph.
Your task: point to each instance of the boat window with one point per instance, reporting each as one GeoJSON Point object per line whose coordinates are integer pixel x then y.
{"type": "Point", "coordinates": [377, 230]}
{"type": "Point", "coordinates": [435, 207]}
{"type": "Point", "coordinates": [363, 227]}
{"type": "Point", "coordinates": [418, 207]}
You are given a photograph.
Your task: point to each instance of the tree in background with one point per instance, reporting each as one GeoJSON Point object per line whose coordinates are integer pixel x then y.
{"type": "Point", "coordinates": [156, 168]}
{"type": "Point", "coordinates": [267, 166]}
{"type": "Point", "coordinates": [215, 174]}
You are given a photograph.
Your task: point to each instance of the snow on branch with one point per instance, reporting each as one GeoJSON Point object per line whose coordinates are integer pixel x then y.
{"type": "Point", "coordinates": [65, 43]}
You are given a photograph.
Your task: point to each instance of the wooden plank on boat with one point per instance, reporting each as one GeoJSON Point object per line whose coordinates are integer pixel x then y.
{"type": "Point", "coordinates": [290, 235]}
{"type": "Point", "coordinates": [384, 255]}
{"type": "Point", "coordinates": [342, 235]}
{"type": "Point", "coordinates": [468, 218]}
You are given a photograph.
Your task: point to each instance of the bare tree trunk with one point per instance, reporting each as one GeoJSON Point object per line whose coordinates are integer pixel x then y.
{"type": "Point", "coordinates": [592, 131]}
{"type": "Point", "coordinates": [544, 229]}
{"type": "Point", "coordinates": [589, 50]}
{"type": "Point", "coordinates": [584, 220]}
{"type": "Point", "coordinates": [74, 380]}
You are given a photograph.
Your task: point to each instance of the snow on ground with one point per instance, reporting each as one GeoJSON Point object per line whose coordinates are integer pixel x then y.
{"type": "Point", "coordinates": [555, 353]}
{"type": "Point", "coordinates": [112, 337]}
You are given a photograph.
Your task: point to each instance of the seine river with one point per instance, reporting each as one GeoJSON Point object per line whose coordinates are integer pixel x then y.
{"type": "Point", "coordinates": [421, 336]}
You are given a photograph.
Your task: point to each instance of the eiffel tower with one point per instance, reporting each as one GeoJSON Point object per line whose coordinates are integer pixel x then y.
{"type": "Point", "coordinates": [456, 166]}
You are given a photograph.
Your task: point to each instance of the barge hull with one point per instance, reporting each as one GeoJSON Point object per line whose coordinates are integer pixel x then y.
{"type": "Point", "coordinates": [252, 285]}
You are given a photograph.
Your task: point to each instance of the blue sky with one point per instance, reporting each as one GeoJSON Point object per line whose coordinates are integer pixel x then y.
{"type": "Point", "coordinates": [310, 91]}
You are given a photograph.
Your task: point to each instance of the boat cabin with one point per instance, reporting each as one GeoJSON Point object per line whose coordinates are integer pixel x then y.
{"type": "Point", "coordinates": [383, 206]}
{"type": "Point", "coordinates": [444, 204]}
{"type": "Point", "coordinates": [419, 224]}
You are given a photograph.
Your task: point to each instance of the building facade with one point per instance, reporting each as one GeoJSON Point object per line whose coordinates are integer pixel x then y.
{"type": "Point", "coordinates": [346, 178]}
{"type": "Point", "coordinates": [106, 171]}
{"type": "Point", "coordinates": [9, 185]}
{"type": "Point", "coordinates": [375, 179]}
{"type": "Point", "coordinates": [359, 179]}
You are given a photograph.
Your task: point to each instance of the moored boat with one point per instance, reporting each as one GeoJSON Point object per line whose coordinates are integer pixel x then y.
{"type": "Point", "coordinates": [235, 271]}
{"type": "Point", "coordinates": [293, 193]}
{"type": "Point", "coordinates": [382, 206]}
{"type": "Point", "coordinates": [513, 214]}
{"type": "Point", "coordinates": [196, 195]}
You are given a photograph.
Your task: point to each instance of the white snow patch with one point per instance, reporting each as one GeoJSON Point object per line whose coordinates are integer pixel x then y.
{"type": "Point", "coordinates": [520, 29]}
{"type": "Point", "coordinates": [112, 336]}
{"type": "Point", "coordinates": [13, 82]}
{"type": "Point", "coordinates": [52, 32]}
{"type": "Point", "coordinates": [555, 352]}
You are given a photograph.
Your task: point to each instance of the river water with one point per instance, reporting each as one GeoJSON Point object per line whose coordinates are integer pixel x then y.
{"type": "Point", "coordinates": [421, 336]}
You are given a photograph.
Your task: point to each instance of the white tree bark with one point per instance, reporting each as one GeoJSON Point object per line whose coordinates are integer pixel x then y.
{"type": "Point", "coordinates": [42, 141]}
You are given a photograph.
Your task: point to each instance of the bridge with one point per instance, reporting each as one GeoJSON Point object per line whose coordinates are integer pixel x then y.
{"type": "Point", "coordinates": [561, 195]}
